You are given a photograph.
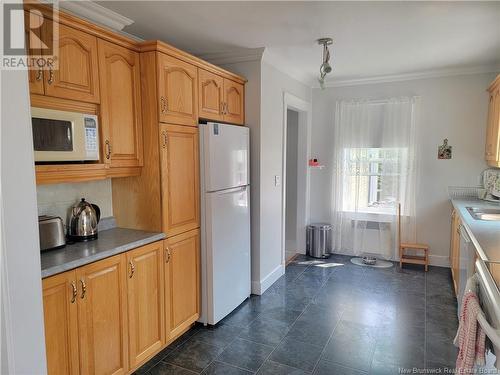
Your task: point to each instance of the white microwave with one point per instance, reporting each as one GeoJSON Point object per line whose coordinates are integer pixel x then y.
{"type": "Point", "coordinates": [63, 136]}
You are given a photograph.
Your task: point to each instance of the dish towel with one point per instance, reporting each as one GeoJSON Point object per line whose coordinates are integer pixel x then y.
{"type": "Point", "coordinates": [470, 338]}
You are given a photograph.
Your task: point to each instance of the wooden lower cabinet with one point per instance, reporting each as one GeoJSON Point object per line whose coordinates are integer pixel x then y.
{"type": "Point", "coordinates": [61, 327]}
{"type": "Point", "coordinates": [102, 316]}
{"type": "Point", "coordinates": [113, 315]}
{"type": "Point", "coordinates": [182, 281]}
{"type": "Point", "coordinates": [146, 316]}
{"type": "Point", "coordinates": [455, 248]}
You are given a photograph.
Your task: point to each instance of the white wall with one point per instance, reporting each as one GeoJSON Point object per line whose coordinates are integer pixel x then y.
{"type": "Point", "coordinates": [274, 85]}
{"type": "Point", "coordinates": [57, 199]}
{"type": "Point", "coordinates": [21, 297]}
{"type": "Point", "coordinates": [292, 133]}
{"type": "Point", "coordinates": [451, 107]}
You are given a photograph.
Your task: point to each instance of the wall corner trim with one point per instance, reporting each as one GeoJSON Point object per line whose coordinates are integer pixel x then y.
{"type": "Point", "coordinates": [259, 287]}
{"type": "Point", "coordinates": [436, 73]}
{"type": "Point", "coordinates": [234, 56]}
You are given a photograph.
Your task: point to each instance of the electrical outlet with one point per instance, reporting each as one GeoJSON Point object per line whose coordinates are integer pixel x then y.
{"type": "Point", "coordinates": [277, 180]}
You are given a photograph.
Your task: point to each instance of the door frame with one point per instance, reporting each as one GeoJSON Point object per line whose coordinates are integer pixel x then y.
{"type": "Point", "coordinates": [303, 107]}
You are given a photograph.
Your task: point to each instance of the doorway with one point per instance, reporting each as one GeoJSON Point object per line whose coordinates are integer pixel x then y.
{"type": "Point", "coordinates": [292, 138]}
{"type": "Point", "coordinates": [295, 187]}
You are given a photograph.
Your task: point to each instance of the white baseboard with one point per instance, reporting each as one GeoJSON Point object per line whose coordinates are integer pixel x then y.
{"type": "Point", "coordinates": [259, 287]}
{"type": "Point", "coordinates": [439, 260]}
{"type": "Point", "coordinates": [434, 260]}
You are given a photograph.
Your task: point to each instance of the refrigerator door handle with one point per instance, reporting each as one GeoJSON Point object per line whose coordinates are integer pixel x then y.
{"type": "Point", "coordinates": [232, 190]}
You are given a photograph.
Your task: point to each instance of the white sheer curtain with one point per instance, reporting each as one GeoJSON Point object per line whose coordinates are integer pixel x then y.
{"type": "Point", "coordinates": [374, 169]}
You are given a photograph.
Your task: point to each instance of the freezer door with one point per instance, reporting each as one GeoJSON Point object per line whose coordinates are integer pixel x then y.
{"type": "Point", "coordinates": [225, 155]}
{"type": "Point", "coordinates": [227, 251]}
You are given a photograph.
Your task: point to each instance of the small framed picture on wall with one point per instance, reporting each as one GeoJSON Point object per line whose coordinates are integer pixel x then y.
{"type": "Point", "coordinates": [444, 150]}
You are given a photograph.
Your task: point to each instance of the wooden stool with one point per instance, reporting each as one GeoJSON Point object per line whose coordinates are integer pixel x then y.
{"type": "Point", "coordinates": [413, 259]}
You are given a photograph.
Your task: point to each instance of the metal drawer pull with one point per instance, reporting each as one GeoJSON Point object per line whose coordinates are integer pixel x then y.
{"type": "Point", "coordinates": [132, 269]}
{"type": "Point", "coordinates": [84, 288]}
{"type": "Point", "coordinates": [75, 292]}
{"type": "Point", "coordinates": [39, 75]}
{"type": "Point", "coordinates": [168, 254]}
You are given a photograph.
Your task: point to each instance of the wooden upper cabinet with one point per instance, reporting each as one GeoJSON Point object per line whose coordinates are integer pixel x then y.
{"type": "Point", "coordinates": [33, 39]}
{"type": "Point", "coordinates": [234, 102]}
{"type": "Point", "coordinates": [145, 302]}
{"type": "Point", "coordinates": [77, 75]}
{"type": "Point", "coordinates": [178, 91]}
{"type": "Point", "coordinates": [102, 314]}
{"type": "Point", "coordinates": [61, 323]}
{"type": "Point", "coordinates": [182, 281]}
{"type": "Point", "coordinates": [121, 120]}
{"type": "Point", "coordinates": [493, 127]}
{"type": "Point", "coordinates": [210, 90]}
{"type": "Point", "coordinates": [179, 178]}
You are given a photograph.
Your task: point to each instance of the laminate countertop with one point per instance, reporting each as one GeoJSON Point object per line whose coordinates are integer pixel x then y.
{"type": "Point", "coordinates": [485, 235]}
{"type": "Point", "coordinates": [110, 242]}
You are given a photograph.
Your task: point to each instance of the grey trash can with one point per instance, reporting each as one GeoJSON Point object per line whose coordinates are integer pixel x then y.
{"type": "Point", "coordinates": [319, 240]}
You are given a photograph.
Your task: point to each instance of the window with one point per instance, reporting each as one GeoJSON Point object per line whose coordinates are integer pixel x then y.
{"type": "Point", "coordinates": [373, 178]}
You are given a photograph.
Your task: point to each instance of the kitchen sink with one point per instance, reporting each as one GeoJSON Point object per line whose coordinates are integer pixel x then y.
{"type": "Point", "coordinates": [488, 214]}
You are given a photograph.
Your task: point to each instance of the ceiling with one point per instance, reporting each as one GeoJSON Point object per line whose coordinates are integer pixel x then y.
{"type": "Point", "coordinates": [371, 39]}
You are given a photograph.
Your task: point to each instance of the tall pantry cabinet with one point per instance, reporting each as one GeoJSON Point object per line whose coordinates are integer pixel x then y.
{"type": "Point", "coordinates": [166, 196]}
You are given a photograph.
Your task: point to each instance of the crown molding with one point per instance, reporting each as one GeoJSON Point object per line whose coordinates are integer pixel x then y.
{"type": "Point", "coordinates": [413, 76]}
{"type": "Point", "coordinates": [98, 14]}
{"type": "Point", "coordinates": [233, 56]}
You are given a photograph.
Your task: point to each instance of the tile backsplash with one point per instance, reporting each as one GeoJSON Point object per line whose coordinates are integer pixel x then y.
{"type": "Point", "coordinates": [57, 199]}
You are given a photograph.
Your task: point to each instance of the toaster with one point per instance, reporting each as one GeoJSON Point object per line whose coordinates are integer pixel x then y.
{"type": "Point", "coordinates": [51, 231]}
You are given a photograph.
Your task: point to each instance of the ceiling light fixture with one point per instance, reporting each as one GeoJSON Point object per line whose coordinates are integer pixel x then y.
{"type": "Point", "coordinates": [325, 67]}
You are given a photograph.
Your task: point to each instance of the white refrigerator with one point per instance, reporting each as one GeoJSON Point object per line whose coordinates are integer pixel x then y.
{"type": "Point", "coordinates": [225, 219]}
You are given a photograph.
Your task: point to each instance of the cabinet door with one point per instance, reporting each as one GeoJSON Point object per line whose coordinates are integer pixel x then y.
{"type": "Point", "coordinates": [210, 89]}
{"type": "Point", "coordinates": [77, 74]}
{"type": "Point", "coordinates": [455, 249]}
{"type": "Point", "coordinates": [102, 310]}
{"type": "Point", "coordinates": [179, 178]}
{"type": "Point", "coordinates": [182, 281]}
{"type": "Point", "coordinates": [234, 102]}
{"type": "Point", "coordinates": [33, 39]}
{"type": "Point", "coordinates": [178, 98]}
{"type": "Point", "coordinates": [490, 130]}
{"type": "Point", "coordinates": [120, 84]}
{"type": "Point", "coordinates": [61, 323]}
{"type": "Point", "coordinates": [145, 296]}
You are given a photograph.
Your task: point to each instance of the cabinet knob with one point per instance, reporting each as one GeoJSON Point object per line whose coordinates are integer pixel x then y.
{"type": "Point", "coordinates": [84, 288]}
{"type": "Point", "coordinates": [168, 255]}
{"type": "Point", "coordinates": [51, 76]}
{"type": "Point", "coordinates": [74, 292]}
{"type": "Point", "coordinates": [108, 149]}
{"type": "Point", "coordinates": [164, 139]}
{"type": "Point", "coordinates": [132, 269]}
{"type": "Point", "coordinates": [163, 104]}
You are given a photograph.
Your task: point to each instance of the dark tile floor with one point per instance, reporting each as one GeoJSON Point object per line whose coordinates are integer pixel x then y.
{"type": "Point", "coordinates": [327, 317]}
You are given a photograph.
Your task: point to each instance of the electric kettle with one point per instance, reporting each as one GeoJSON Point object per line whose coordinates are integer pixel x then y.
{"type": "Point", "coordinates": [83, 221]}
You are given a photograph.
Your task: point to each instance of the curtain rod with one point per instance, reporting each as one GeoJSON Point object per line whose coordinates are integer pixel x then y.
{"type": "Point", "coordinates": [379, 101]}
